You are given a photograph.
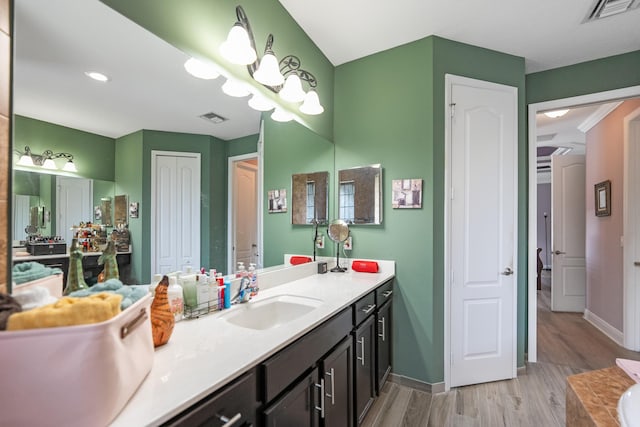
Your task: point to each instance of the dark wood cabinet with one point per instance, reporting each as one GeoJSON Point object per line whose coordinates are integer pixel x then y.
{"type": "Point", "coordinates": [364, 338]}
{"type": "Point", "coordinates": [383, 344]}
{"type": "Point", "coordinates": [299, 407]}
{"type": "Point", "coordinates": [237, 402]}
{"type": "Point", "coordinates": [337, 373]}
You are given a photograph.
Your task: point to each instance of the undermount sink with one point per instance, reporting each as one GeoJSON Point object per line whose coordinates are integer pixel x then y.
{"type": "Point", "coordinates": [270, 312]}
{"type": "Point", "coordinates": [629, 407]}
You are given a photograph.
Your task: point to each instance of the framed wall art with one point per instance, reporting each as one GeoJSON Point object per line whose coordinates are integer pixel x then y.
{"type": "Point", "coordinates": [603, 198]}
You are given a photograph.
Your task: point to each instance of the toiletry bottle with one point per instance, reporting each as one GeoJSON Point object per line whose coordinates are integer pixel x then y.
{"type": "Point", "coordinates": [188, 283]}
{"type": "Point", "coordinates": [176, 301]}
{"type": "Point", "coordinates": [240, 271]}
{"type": "Point", "coordinates": [202, 291]}
{"type": "Point", "coordinates": [227, 293]}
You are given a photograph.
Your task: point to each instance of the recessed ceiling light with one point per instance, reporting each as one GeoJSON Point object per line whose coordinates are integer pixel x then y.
{"type": "Point", "coordinates": [557, 113]}
{"type": "Point", "coordinates": [96, 76]}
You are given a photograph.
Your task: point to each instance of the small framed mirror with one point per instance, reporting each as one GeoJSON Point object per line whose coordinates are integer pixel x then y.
{"type": "Point", "coordinates": [310, 198]}
{"type": "Point", "coordinates": [121, 210]}
{"type": "Point", "coordinates": [360, 195]}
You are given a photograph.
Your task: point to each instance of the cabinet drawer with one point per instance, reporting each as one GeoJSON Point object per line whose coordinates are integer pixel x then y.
{"type": "Point", "coordinates": [282, 369]}
{"type": "Point", "coordinates": [363, 308]}
{"type": "Point", "coordinates": [237, 400]}
{"type": "Point", "coordinates": [384, 293]}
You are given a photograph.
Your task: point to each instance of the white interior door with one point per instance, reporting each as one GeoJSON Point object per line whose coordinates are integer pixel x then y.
{"type": "Point", "coordinates": [482, 231]}
{"type": "Point", "coordinates": [21, 215]}
{"type": "Point", "coordinates": [245, 211]}
{"type": "Point", "coordinates": [175, 212]}
{"type": "Point", "coordinates": [74, 204]}
{"type": "Point", "coordinates": [568, 266]}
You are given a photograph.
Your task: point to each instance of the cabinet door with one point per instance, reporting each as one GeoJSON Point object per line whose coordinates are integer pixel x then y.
{"type": "Point", "coordinates": [337, 370]}
{"type": "Point", "coordinates": [299, 407]}
{"type": "Point", "coordinates": [364, 352]}
{"type": "Point", "coordinates": [383, 344]}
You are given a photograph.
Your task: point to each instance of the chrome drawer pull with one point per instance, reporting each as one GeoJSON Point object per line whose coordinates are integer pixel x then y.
{"type": "Point", "coordinates": [230, 421]}
{"type": "Point", "coordinates": [321, 408]}
{"type": "Point", "coordinates": [361, 342]}
{"type": "Point", "coordinates": [333, 387]}
{"type": "Point", "coordinates": [387, 294]}
{"type": "Point", "coordinates": [369, 309]}
{"type": "Point", "coordinates": [383, 333]}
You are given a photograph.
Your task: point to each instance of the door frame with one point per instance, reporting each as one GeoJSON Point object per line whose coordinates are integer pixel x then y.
{"type": "Point", "coordinates": [533, 109]}
{"type": "Point", "coordinates": [450, 79]}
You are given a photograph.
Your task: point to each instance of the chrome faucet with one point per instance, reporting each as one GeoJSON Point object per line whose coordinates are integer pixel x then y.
{"type": "Point", "coordinates": [244, 293]}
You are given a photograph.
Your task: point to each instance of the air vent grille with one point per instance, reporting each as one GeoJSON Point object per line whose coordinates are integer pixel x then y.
{"type": "Point", "coordinates": [213, 118]}
{"type": "Point", "coordinates": [605, 8]}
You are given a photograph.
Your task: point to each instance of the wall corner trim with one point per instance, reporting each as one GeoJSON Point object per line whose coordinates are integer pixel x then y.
{"type": "Point", "coordinates": [604, 327]}
{"type": "Point", "coordinates": [417, 384]}
{"type": "Point", "coordinates": [598, 115]}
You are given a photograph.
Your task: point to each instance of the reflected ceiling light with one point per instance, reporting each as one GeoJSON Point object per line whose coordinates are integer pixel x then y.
{"type": "Point", "coordinates": [280, 115]}
{"type": "Point", "coordinates": [235, 88]}
{"type": "Point", "coordinates": [201, 69]}
{"type": "Point", "coordinates": [556, 113]}
{"type": "Point", "coordinates": [268, 73]}
{"type": "Point", "coordinates": [311, 104]}
{"type": "Point", "coordinates": [45, 160]}
{"type": "Point", "coordinates": [237, 49]}
{"type": "Point", "coordinates": [261, 103]}
{"type": "Point", "coordinates": [97, 76]}
{"type": "Point", "coordinates": [70, 166]}
{"type": "Point", "coordinates": [292, 89]}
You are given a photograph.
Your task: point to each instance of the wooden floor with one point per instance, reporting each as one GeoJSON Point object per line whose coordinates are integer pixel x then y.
{"type": "Point", "coordinates": [567, 345]}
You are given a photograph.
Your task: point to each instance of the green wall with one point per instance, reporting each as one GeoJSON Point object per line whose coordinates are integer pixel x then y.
{"type": "Point", "coordinates": [390, 110]}
{"type": "Point", "coordinates": [93, 154]}
{"type": "Point", "coordinates": [600, 75]}
{"type": "Point", "coordinates": [244, 145]}
{"type": "Point", "coordinates": [198, 27]}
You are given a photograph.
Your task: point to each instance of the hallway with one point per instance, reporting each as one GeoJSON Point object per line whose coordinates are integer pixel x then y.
{"type": "Point", "coordinates": [567, 345]}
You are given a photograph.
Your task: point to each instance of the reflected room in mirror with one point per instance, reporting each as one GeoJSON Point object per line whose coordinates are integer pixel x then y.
{"type": "Point", "coordinates": [360, 195]}
{"type": "Point", "coordinates": [310, 198]}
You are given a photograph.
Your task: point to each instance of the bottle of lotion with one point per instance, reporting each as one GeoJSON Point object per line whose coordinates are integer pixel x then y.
{"type": "Point", "coordinates": [176, 301]}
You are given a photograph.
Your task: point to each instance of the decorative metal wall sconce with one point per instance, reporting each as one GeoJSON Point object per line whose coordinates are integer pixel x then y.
{"type": "Point", "coordinates": [45, 160]}
{"type": "Point", "coordinates": [284, 77]}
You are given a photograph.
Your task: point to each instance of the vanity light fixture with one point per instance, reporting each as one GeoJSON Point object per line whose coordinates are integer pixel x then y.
{"type": "Point", "coordinates": [556, 113]}
{"type": "Point", "coordinates": [284, 77]}
{"type": "Point", "coordinates": [201, 69]}
{"type": "Point", "coordinates": [95, 75]}
{"type": "Point", "coordinates": [235, 88]}
{"type": "Point", "coordinates": [280, 115]}
{"type": "Point", "coordinates": [45, 160]}
{"type": "Point", "coordinates": [260, 103]}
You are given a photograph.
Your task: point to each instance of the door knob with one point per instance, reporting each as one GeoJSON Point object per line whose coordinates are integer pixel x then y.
{"type": "Point", "coordinates": [507, 272]}
{"type": "Point", "coordinates": [559, 252]}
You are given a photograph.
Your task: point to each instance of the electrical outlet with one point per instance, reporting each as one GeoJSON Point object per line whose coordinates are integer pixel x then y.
{"type": "Point", "coordinates": [348, 244]}
{"type": "Point", "coordinates": [320, 242]}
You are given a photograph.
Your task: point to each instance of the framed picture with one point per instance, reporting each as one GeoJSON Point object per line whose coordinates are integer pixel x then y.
{"type": "Point", "coordinates": [407, 193]}
{"type": "Point", "coordinates": [277, 201]}
{"type": "Point", "coordinates": [603, 198]}
{"type": "Point", "coordinates": [97, 213]}
{"type": "Point", "coordinates": [133, 210]}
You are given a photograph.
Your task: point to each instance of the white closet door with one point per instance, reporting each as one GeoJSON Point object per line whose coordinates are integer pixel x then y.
{"type": "Point", "coordinates": [175, 215]}
{"type": "Point", "coordinates": [74, 200]}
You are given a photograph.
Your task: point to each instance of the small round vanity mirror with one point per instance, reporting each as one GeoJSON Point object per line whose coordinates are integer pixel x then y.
{"type": "Point", "coordinates": [338, 231]}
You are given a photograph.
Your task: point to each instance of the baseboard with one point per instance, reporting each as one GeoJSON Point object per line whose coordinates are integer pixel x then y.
{"type": "Point", "coordinates": [611, 332]}
{"type": "Point", "coordinates": [417, 384]}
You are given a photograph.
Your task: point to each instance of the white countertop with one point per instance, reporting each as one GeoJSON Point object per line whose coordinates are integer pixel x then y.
{"type": "Point", "coordinates": [206, 353]}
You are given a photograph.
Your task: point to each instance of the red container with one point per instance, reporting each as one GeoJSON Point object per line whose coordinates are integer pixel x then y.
{"type": "Point", "coordinates": [364, 266]}
{"type": "Point", "coordinates": [296, 260]}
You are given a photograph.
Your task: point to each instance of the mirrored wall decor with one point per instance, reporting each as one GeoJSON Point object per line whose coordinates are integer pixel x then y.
{"type": "Point", "coordinates": [121, 210]}
{"type": "Point", "coordinates": [360, 195]}
{"type": "Point", "coordinates": [309, 198]}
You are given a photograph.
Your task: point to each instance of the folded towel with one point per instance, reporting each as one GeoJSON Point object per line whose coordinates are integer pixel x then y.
{"type": "Point", "coordinates": [68, 311]}
{"type": "Point", "coordinates": [631, 367]}
{"type": "Point", "coordinates": [30, 271]}
{"type": "Point", "coordinates": [130, 294]}
{"type": "Point", "coordinates": [33, 297]}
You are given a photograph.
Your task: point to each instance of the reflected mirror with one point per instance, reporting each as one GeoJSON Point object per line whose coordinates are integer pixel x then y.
{"type": "Point", "coordinates": [360, 195]}
{"type": "Point", "coordinates": [309, 198]}
{"type": "Point", "coordinates": [121, 210]}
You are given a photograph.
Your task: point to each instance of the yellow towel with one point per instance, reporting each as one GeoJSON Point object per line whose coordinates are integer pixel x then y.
{"type": "Point", "coordinates": [68, 311]}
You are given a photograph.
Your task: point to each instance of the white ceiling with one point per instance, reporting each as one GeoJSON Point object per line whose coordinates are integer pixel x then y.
{"type": "Point", "coordinates": [547, 33]}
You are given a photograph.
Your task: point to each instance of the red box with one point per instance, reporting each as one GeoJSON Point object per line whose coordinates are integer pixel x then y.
{"type": "Point", "coordinates": [364, 266]}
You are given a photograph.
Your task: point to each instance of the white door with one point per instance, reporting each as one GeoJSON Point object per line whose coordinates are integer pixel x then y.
{"type": "Point", "coordinates": [568, 266]}
{"type": "Point", "coordinates": [21, 216]}
{"type": "Point", "coordinates": [74, 204]}
{"type": "Point", "coordinates": [245, 213]}
{"type": "Point", "coordinates": [482, 231]}
{"type": "Point", "coordinates": [175, 216]}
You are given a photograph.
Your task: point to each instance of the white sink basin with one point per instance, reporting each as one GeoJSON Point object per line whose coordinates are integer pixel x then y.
{"type": "Point", "coordinates": [629, 407]}
{"type": "Point", "coordinates": [270, 312]}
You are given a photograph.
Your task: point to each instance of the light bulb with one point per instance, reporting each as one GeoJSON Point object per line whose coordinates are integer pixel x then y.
{"type": "Point", "coordinates": [49, 164]}
{"type": "Point", "coordinates": [311, 104]}
{"type": "Point", "coordinates": [280, 115]}
{"type": "Point", "coordinates": [235, 88]}
{"type": "Point", "coordinates": [260, 103]}
{"type": "Point", "coordinates": [292, 90]}
{"type": "Point", "coordinates": [25, 160]}
{"type": "Point", "coordinates": [237, 48]}
{"type": "Point", "coordinates": [268, 73]}
{"type": "Point", "coordinates": [201, 69]}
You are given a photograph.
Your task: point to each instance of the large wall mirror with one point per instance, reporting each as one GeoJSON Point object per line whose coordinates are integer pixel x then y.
{"type": "Point", "coordinates": [360, 195]}
{"type": "Point", "coordinates": [310, 198]}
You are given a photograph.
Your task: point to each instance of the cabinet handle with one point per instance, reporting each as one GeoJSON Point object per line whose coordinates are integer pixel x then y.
{"type": "Point", "coordinates": [230, 421]}
{"type": "Point", "coordinates": [333, 387]}
{"type": "Point", "coordinates": [369, 308]}
{"type": "Point", "coordinates": [383, 333]}
{"type": "Point", "coordinates": [361, 359]}
{"type": "Point", "coordinates": [321, 408]}
{"type": "Point", "coordinates": [387, 294]}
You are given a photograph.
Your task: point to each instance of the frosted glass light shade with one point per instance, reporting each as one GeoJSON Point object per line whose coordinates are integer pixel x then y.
{"type": "Point", "coordinates": [49, 164]}
{"type": "Point", "coordinates": [201, 69]}
{"type": "Point", "coordinates": [25, 160]}
{"type": "Point", "coordinates": [235, 88]}
{"type": "Point", "coordinates": [311, 104]}
{"type": "Point", "coordinates": [292, 90]}
{"type": "Point", "coordinates": [268, 73]}
{"type": "Point", "coordinates": [70, 166]}
{"type": "Point", "coordinates": [260, 103]}
{"type": "Point", "coordinates": [237, 48]}
{"type": "Point", "coordinates": [280, 115]}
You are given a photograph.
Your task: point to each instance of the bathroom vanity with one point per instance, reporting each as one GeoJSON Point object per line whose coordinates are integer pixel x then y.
{"type": "Point", "coordinates": [314, 350]}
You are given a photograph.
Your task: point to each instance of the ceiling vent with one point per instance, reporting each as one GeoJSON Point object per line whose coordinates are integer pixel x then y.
{"type": "Point", "coordinates": [213, 118]}
{"type": "Point", "coordinates": [604, 8]}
